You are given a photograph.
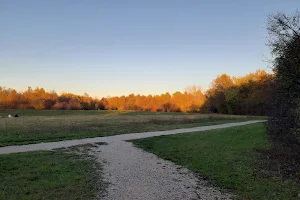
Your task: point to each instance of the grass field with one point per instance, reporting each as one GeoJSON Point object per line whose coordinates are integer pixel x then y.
{"type": "Point", "coordinates": [229, 158]}
{"type": "Point", "coordinates": [46, 125]}
{"type": "Point", "coordinates": [60, 174]}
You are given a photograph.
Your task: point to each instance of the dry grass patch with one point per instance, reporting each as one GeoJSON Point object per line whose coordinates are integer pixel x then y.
{"type": "Point", "coordinates": [36, 128]}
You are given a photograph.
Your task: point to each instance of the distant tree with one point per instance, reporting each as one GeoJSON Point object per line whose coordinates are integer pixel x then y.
{"type": "Point", "coordinates": [232, 99]}
{"type": "Point", "coordinates": [216, 101]}
{"type": "Point", "coordinates": [222, 82]}
{"type": "Point", "coordinates": [196, 98]}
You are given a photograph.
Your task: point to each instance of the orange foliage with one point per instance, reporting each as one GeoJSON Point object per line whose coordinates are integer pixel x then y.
{"type": "Point", "coordinates": [191, 100]}
{"type": "Point", "coordinates": [248, 94]}
{"type": "Point", "coordinates": [225, 94]}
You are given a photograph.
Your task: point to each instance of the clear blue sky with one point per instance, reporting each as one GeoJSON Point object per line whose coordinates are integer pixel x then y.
{"type": "Point", "coordinates": [110, 47]}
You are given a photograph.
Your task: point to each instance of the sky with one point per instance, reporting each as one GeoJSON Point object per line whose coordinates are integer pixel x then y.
{"type": "Point", "coordinates": [118, 47]}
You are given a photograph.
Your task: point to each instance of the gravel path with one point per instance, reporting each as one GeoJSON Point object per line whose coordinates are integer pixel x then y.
{"type": "Point", "coordinates": [112, 139]}
{"type": "Point", "coordinates": [135, 174]}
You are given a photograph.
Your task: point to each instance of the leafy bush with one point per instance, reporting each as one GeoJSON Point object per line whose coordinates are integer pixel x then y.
{"type": "Point", "coordinates": [284, 122]}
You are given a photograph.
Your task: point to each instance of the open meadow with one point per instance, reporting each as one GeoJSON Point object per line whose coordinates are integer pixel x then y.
{"type": "Point", "coordinates": [35, 126]}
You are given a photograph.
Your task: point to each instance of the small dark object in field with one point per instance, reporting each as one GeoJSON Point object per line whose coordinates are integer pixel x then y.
{"type": "Point", "coordinates": [213, 109]}
{"type": "Point", "coordinates": [16, 115]}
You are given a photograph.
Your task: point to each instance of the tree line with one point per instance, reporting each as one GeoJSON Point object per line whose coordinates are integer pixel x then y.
{"type": "Point", "coordinates": [228, 95]}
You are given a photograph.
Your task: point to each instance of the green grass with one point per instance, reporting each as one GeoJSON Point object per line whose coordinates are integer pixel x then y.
{"type": "Point", "coordinates": [228, 157]}
{"type": "Point", "coordinates": [47, 126]}
{"type": "Point", "coordinates": [49, 175]}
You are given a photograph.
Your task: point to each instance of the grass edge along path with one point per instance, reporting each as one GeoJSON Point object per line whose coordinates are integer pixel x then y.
{"type": "Point", "coordinates": [228, 157]}
{"type": "Point", "coordinates": [58, 174]}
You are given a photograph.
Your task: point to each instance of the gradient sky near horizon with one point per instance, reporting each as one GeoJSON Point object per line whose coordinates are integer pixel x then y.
{"type": "Point", "coordinates": [118, 47]}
